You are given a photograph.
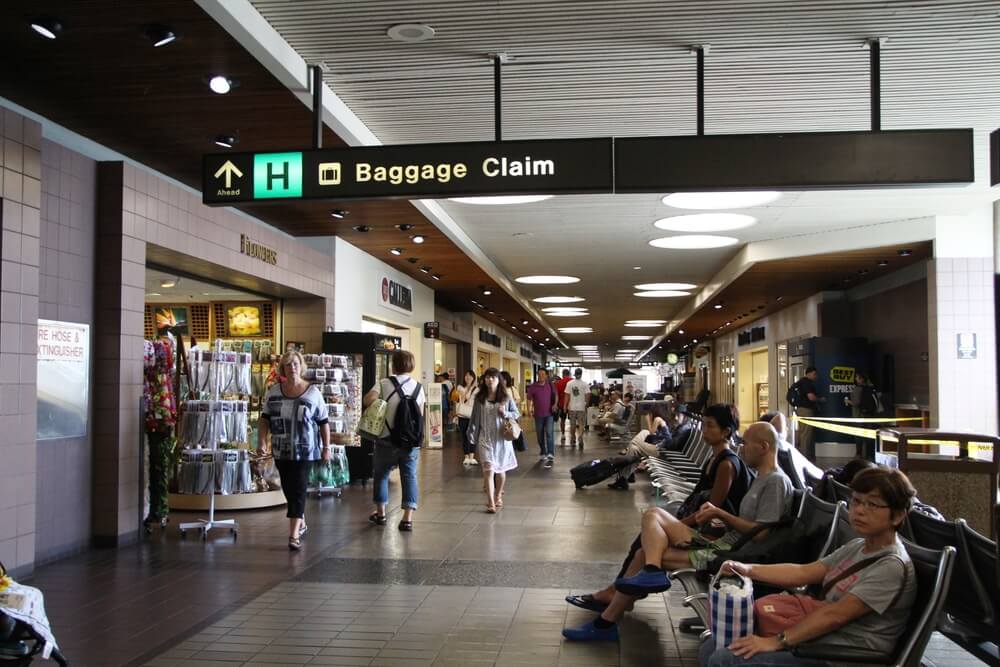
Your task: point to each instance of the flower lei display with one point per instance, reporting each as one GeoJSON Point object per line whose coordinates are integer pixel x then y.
{"type": "Point", "coordinates": [158, 391]}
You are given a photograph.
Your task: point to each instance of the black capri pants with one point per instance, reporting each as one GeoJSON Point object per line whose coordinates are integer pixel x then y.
{"type": "Point", "coordinates": [294, 478]}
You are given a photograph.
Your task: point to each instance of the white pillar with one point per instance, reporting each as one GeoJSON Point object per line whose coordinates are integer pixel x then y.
{"type": "Point", "coordinates": [963, 390]}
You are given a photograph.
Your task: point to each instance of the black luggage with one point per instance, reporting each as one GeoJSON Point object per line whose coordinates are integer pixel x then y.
{"type": "Point", "coordinates": [361, 461]}
{"type": "Point", "coordinates": [592, 472]}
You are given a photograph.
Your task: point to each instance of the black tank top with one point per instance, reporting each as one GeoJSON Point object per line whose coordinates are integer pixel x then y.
{"type": "Point", "coordinates": [742, 479]}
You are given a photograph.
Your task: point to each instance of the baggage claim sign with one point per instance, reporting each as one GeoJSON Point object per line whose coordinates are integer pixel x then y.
{"type": "Point", "coordinates": [422, 170]}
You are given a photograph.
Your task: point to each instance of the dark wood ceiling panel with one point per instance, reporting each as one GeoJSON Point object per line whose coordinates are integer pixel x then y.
{"type": "Point", "coordinates": [768, 287]}
{"type": "Point", "coordinates": [102, 79]}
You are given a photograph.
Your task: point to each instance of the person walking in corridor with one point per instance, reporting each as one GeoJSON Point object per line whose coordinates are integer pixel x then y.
{"type": "Point", "coordinates": [806, 405]}
{"type": "Point", "coordinates": [562, 412]}
{"type": "Point", "coordinates": [492, 406]}
{"type": "Point", "coordinates": [466, 394]}
{"type": "Point", "coordinates": [544, 399]}
{"type": "Point", "coordinates": [577, 393]}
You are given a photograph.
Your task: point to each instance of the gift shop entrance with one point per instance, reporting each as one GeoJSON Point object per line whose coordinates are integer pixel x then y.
{"type": "Point", "coordinates": [211, 350]}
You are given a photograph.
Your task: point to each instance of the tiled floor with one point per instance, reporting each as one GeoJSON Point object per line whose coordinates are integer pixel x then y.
{"type": "Point", "coordinates": [465, 588]}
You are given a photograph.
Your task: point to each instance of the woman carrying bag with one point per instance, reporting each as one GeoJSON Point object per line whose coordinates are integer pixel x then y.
{"type": "Point", "coordinates": [492, 428]}
{"type": "Point", "coordinates": [463, 408]}
{"type": "Point", "coordinates": [511, 387]}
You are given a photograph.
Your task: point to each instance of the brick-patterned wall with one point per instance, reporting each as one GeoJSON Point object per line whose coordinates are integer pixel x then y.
{"type": "Point", "coordinates": [66, 293]}
{"type": "Point", "coordinates": [19, 282]}
{"type": "Point", "coordinates": [960, 300]}
{"type": "Point", "coordinates": [136, 209]}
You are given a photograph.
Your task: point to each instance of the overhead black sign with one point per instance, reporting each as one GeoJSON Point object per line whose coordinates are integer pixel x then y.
{"type": "Point", "coordinates": [432, 329]}
{"type": "Point", "coordinates": [994, 157]}
{"type": "Point", "coordinates": [559, 166]}
{"type": "Point", "coordinates": [752, 336]}
{"type": "Point", "coordinates": [801, 160]}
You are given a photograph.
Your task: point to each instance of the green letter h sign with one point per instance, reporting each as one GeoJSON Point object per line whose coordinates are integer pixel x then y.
{"type": "Point", "coordinates": [277, 175]}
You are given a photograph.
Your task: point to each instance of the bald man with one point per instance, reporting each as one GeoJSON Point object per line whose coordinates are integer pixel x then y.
{"type": "Point", "coordinates": [769, 499]}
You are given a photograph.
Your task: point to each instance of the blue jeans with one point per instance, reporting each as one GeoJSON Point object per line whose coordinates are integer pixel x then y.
{"type": "Point", "coordinates": [546, 435]}
{"type": "Point", "coordinates": [388, 457]}
{"type": "Point", "coordinates": [709, 656]}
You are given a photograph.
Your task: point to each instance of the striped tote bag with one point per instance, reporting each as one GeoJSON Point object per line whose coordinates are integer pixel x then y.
{"type": "Point", "coordinates": [730, 608]}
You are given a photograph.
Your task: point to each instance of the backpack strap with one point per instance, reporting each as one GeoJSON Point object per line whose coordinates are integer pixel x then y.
{"type": "Point", "coordinates": [398, 389]}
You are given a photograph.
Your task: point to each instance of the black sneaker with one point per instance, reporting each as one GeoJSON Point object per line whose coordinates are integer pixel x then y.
{"type": "Point", "coordinates": [619, 485]}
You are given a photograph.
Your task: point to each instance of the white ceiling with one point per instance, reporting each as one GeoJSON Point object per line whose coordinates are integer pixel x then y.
{"type": "Point", "coordinates": [624, 69]}
{"type": "Point", "coordinates": [190, 290]}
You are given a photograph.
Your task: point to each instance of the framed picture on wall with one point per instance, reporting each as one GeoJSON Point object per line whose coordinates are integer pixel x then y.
{"type": "Point", "coordinates": [243, 321]}
{"type": "Point", "coordinates": [171, 319]}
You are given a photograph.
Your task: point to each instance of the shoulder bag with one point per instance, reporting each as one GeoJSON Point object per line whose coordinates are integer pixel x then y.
{"type": "Point", "coordinates": [510, 429]}
{"type": "Point", "coordinates": [373, 418]}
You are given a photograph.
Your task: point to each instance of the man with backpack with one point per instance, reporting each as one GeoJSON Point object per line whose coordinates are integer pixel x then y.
{"type": "Point", "coordinates": [803, 398]}
{"type": "Point", "coordinates": [864, 401]}
{"type": "Point", "coordinates": [401, 438]}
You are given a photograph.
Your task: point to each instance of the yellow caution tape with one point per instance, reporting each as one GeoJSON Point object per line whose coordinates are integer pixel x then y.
{"type": "Point", "coordinates": [870, 433]}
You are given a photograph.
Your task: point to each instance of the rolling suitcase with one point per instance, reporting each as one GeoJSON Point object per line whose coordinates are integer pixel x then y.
{"type": "Point", "coordinates": [592, 472]}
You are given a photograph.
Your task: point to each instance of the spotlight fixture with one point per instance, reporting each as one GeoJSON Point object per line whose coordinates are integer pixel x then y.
{"type": "Point", "coordinates": [167, 283]}
{"type": "Point", "coordinates": [220, 85]}
{"type": "Point", "coordinates": [905, 253]}
{"type": "Point", "coordinates": [412, 260]}
{"type": "Point", "coordinates": [780, 298]}
{"type": "Point", "coordinates": [225, 141]}
{"type": "Point", "coordinates": [405, 227]}
{"type": "Point", "coordinates": [437, 276]}
{"type": "Point", "coordinates": [681, 332]}
{"type": "Point", "coordinates": [427, 269]}
{"type": "Point", "coordinates": [718, 306]}
{"type": "Point", "coordinates": [418, 239]}
{"type": "Point", "coordinates": [361, 228]}
{"type": "Point", "coordinates": [883, 262]}
{"type": "Point", "coordinates": [160, 35]}
{"type": "Point", "coordinates": [485, 290]}
{"type": "Point", "coordinates": [396, 251]}
{"type": "Point", "coordinates": [338, 213]}
{"type": "Point", "coordinates": [535, 330]}
{"type": "Point", "coordinates": [524, 321]}
{"type": "Point", "coordinates": [863, 272]}
{"type": "Point", "coordinates": [636, 268]}
{"type": "Point", "coordinates": [47, 27]}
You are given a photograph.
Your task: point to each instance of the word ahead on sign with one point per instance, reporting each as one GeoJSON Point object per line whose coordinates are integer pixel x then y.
{"type": "Point", "coordinates": [422, 170]}
{"type": "Point", "coordinates": [801, 160]}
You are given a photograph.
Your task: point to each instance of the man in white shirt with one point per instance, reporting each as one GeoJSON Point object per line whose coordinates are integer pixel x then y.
{"type": "Point", "coordinates": [576, 395]}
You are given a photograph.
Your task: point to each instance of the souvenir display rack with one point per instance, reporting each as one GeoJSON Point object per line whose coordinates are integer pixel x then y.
{"type": "Point", "coordinates": [340, 384]}
{"type": "Point", "coordinates": [210, 422]}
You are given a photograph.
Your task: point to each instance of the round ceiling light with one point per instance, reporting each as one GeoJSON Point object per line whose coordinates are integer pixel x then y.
{"type": "Point", "coordinates": [547, 280]}
{"type": "Point", "coordinates": [410, 33]}
{"type": "Point", "coordinates": [661, 294]}
{"type": "Point", "coordinates": [220, 85]}
{"type": "Point", "coordinates": [501, 201]}
{"type": "Point", "coordinates": [569, 313]}
{"type": "Point", "coordinates": [645, 323]}
{"type": "Point", "coordinates": [720, 200]}
{"type": "Point", "coordinates": [694, 242]}
{"type": "Point", "coordinates": [636, 337]}
{"type": "Point", "coordinates": [672, 286]}
{"type": "Point", "coordinates": [559, 299]}
{"type": "Point", "coordinates": [642, 325]}
{"type": "Point", "coordinates": [564, 309]}
{"type": "Point", "coordinates": [576, 330]}
{"type": "Point", "coordinates": [705, 222]}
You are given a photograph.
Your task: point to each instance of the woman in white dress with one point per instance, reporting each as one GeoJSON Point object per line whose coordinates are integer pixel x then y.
{"type": "Point", "coordinates": [493, 404]}
{"type": "Point", "coordinates": [466, 397]}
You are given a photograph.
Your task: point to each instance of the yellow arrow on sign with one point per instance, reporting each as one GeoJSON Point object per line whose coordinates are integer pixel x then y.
{"type": "Point", "coordinates": [228, 169]}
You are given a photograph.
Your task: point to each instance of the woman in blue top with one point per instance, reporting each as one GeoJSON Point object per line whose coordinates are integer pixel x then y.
{"type": "Point", "coordinates": [294, 427]}
{"type": "Point", "coordinates": [493, 404]}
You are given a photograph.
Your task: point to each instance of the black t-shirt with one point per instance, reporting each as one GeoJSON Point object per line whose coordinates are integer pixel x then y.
{"type": "Point", "coordinates": [806, 387]}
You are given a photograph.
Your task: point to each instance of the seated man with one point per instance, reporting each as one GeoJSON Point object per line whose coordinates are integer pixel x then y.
{"type": "Point", "coordinates": [619, 416]}
{"type": "Point", "coordinates": [614, 413]}
{"type": "Point", "coordinates": [668, 544]}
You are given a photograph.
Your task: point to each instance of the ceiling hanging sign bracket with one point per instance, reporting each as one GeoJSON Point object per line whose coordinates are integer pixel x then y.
{"type": "Point", "coordinates": [874, 46]}
{"type": "Point", "coordinates": [498, 61]}
{"type": "Point", "coordinates": [699, 51]}
{"type": "Point", "coordinates": [317, 107]}
{"type": "Point", "coordinates": [995, 157]}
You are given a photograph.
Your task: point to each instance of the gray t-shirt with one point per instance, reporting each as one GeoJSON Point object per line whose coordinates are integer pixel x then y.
{"type": "Point", "coordinates": [876, 586]}
{"type": "Point", "coordinates": [769, 499]}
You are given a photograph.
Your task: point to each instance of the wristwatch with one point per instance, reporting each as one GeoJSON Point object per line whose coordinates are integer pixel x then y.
{"type": "Point", "coordinates": [784, 642]}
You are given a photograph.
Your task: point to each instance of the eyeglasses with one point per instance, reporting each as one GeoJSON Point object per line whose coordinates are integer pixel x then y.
{"type": "Point", "coordinates": [866, 504]}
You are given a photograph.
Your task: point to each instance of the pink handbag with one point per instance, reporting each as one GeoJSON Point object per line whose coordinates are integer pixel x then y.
{"type": "Point", "coordinates": [776, 613]}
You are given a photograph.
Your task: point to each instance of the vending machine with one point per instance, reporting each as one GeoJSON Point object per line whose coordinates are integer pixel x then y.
{"type": "Point", "coordinates": [371, 354]}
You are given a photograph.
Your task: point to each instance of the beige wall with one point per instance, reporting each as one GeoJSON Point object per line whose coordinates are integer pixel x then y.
{"type": "Point", "coordinates": [19, 284]}
{"type": "Point", "coordinates": [136, 208]}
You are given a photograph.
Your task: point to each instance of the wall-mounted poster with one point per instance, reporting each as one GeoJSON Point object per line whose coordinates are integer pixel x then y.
{"type": "Point", "coordinates": [635, 385]}
{"type": "Point", "coordinates": [63, 379]}
{"type": "Point", "coordinates": [172, 319]}
{"type": "Point", "coordinates": [243, 320]}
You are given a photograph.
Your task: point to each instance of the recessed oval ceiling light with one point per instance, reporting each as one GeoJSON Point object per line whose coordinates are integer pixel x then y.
{"type": "Point", "coordinates": [396, 251]}
{"type": "Point", "coordinates": [48, 28]}
{"type": "Point", "coordinates": [720, 200]}
{"type": "Point", "coordinates": [220, 85]}
{"type": "Point", "coordinates": [636, 337]}
{"type": "Point", "coordinates": [694, 242]}
{"type": "Point", "coordinates": [570, 314]}
{"type": "Point", "coordinates": [418, 239]}
{"type": "Point", "coordinates": [705, 222]}
{"type": "Point", "coordinates": [576, 330]}
{"type": "Point", "coordinates": [642, 325]}
{"type": "Point", "coordinates": [160, 35]}
{"type": "Point", "coordinates": [547, 280]}
{"type": "Point", "coordinates": [564, 309]}
{"type": "Point", "coordinates": [410, 33]}
{"type": "Point", "coordinates": [645, 322]}
{"type": "Point", "coordinates": [670, 286]}
{"type": "Point", "coordinates": [501, 201]}
{"type": "Point", "coordinates": [661, 294]}
{"type": "Point", "coordinates": [559, 299]}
